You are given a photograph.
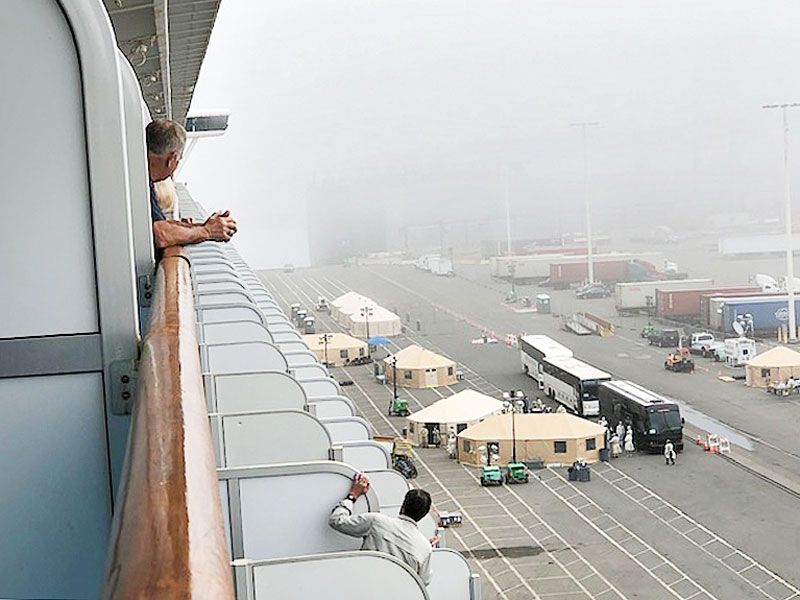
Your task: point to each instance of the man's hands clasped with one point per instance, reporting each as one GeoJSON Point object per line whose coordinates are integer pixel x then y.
{"type": "Point", "coordinates": [220, 226]}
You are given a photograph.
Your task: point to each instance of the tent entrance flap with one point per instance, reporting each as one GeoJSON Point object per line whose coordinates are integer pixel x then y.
{"type": "Point", "coordinates": [431, 379]}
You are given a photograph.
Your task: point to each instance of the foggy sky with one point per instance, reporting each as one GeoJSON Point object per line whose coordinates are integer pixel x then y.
{"type": "Point", "coordinates": [427, 103]}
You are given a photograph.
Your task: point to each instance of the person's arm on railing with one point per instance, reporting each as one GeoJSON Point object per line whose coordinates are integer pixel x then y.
{"type": "Point", "coordinates": [219, 227]}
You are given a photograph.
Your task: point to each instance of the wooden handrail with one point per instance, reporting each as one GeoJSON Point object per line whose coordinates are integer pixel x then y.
{"type": "Point", "coordinates": [168, 539]}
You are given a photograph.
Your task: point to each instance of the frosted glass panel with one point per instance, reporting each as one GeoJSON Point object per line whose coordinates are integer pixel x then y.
{"type": "Point", "coordinates": [46, 237]}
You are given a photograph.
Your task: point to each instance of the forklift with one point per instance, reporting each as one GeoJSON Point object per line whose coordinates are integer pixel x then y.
{"type": "Point", "coordinates": [402, 462]}
{"type": "Point", "coordinates": [491, 475]}
{"type": "Point", "coordinates": [515, 472]}
{"type": "Point", "coordinates": [398, 407]}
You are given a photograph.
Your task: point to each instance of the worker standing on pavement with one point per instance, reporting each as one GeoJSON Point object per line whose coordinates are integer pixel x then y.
{"type": "Point", "coordinates": [616, 449]}
{"type": "Point", "coordinates": [669, 453]}
{"type": "Point", "coordinates": [629, 447]}
{"type": "Point", "coordinates": [423, 435]}
{"type": "Point", "coordinates": [621, 431]}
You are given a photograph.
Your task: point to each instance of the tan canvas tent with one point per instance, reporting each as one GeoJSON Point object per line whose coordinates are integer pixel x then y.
{"type": "Point", "coordinates": [773, 366]}
{"type": "Point", "coordinates": [341, 348]}
{"type": "Point", "coordinates": [418, 367]}
{"type": "Point", "coordinates": [458, 412]}
{"type": "Point", "coordinates": [555, 438]}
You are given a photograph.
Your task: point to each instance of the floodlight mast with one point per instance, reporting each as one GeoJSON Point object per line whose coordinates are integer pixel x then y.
{"type": "Point", "coordinates": [792, 325]}
{"type": "Point", "coordinates": [589, 252]}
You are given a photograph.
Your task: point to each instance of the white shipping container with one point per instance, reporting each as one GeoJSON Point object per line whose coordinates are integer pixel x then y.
{"type": "Point", "coordinates": [633, 296]}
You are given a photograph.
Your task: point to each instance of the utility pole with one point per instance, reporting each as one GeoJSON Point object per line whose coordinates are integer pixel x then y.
{"type": "Point", "coordinates": [508, 216]}
{"type": "Point", "coordinates": [328, 337]}
{"type": "Point", "coordinates": [366, 312]}
{"type": "Point", "coordinates": [589, 250]}
{"type": "Point", "coordinates": [788, 217]}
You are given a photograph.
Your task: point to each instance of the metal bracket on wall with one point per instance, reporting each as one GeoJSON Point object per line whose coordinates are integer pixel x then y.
{"type": "Point", "coordinates": [124, 377]}
{"type": "Point", "coordinates": [144, 287]}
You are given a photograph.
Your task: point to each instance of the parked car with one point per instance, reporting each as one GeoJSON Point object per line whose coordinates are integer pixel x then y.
{"type": "Point", "coordinates": [664, 338]}
{"type": "Point", "coordinates": [593, 290]}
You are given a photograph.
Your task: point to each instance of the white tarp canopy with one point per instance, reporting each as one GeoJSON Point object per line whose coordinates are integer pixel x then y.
{"type": "Point", "coordinates": [466, 406]}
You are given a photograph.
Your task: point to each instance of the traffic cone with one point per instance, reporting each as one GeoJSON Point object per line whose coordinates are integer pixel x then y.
{"type": "Point", "coordinates": [698, 440]}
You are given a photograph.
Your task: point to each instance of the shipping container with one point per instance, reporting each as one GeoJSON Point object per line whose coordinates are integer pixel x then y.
{"type": "Point", "coordinates": [684, 304]}
{"type": "Point", "coordinates": [564, 274]}
{"type": "Point", "coordinates": [755, 245]}
{"type": "Point", "coordinates": [637, 296]}
{"type": "Point", "coordinates": [768, 314]}
{"type": "Point", "coordinates": [708, 306]}
{"type": "Point", "coordinates": [537, 267]}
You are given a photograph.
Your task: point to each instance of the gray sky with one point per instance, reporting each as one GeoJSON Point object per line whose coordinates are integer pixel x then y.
{"type": "Point", "coordinates": [426, 103]}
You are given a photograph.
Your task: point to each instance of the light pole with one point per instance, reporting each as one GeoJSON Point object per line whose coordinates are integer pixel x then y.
{"type": "Point", "coordinates": [328, 337]}
{"type": "Point", "coordinates": [393, 362]}
{"type": "Point", "coordinates": [508, 216]}
{"type": "Point", "coordinates": [788, 192]}
{"type": "Point", "coordinates": [366, 312]}
{"type": "Point", "coordinates": [513, 405]}
{"type": "Point", "coordinates": [589, 252]}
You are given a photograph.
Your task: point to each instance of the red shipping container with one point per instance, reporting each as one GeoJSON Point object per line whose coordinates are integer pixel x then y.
{"type": "Point", "coordinates": [564, 274]}
{"type": "Point", "coordinates": [685, 304]}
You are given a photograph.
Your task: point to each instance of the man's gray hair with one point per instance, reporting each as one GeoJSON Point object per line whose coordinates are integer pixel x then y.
{"type": "Point", "coordinates": [165, 136]}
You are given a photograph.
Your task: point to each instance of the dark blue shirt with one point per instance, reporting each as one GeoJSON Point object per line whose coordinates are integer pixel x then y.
{"type": "Point", "coordinates": [156, 214]}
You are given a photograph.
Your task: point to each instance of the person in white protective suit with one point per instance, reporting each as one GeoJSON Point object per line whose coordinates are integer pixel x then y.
{"type": "Point", "coordinates": [669, 453]}
{"type": "Point", "coordinates": [616, 448]}
{"type": "Point", "coordinates": [621, 431]}
{"type": "Point", "coordinates": [629, 447]}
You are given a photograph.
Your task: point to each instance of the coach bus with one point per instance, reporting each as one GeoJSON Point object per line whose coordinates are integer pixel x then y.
{"type": "Point", "coordinates": [533, 349]}
{"type": "Point", "coordinates": [573, 383]}
{"type": "Point", "coordinates": [653, 418]}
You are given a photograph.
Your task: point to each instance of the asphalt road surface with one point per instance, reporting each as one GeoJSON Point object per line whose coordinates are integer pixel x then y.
{"type": "Point", "coordinates": [706, 528]}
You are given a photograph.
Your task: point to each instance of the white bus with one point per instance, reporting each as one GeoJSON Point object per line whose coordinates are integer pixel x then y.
{"type": "Point", "coordinates": [533, 349]}
{"type": "Point", "coordinates": [574, 384]}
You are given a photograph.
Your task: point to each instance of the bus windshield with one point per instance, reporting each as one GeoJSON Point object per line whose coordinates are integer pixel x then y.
{"type": "Point", "coordinates": [589, 390]}
{"type": "Point", "coordinates": [667, 420]}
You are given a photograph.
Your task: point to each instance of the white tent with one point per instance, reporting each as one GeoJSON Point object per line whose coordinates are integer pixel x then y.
{"type": "Point", "coordinates": [458, 412]}
{"type": "Point", "coordinates": [381, 322]}
{"type": "Point", "coordinates": [348, 304]}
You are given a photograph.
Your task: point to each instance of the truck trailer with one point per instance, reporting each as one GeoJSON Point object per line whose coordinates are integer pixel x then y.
{"type": "Point", "coordinates": [528, 268]}
{"type": "Point", "coordinates": [684, 304]}
{"type": "Point", "coordinates": [768, 314]}
{"type": "Point", "coordinates": [562, 275]}
{"type": "Point", "coordinates": [633, 297]}
{"type": "Point", "coordinates": [711, 302]}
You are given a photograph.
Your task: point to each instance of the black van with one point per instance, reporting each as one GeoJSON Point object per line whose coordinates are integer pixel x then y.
{"type": "Point", "coordinates": [665, 338]}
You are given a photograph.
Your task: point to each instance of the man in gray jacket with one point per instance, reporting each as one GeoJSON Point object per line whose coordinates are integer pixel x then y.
{"type": "Point", "coordinates": [399, 536]}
